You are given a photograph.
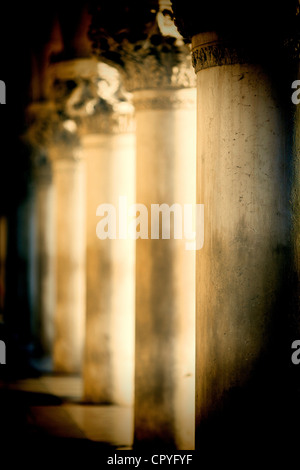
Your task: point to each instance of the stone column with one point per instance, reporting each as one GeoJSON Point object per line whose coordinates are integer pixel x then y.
{"type": "Point", "coordinates": [46, 253]}
{"type": "Point", "coordinates": [244, 272]}
{"type": "Point", "coordinates": [68, 82]}
{"type": "Point", "coordinates": [69, 181]}
{"type": "Point", "coordinates": [108, 142]}
{"type": "Point", "coordinates": [164, 407]}
{"type": "Point", "coordinates": [241, 154]}
{"type": "Point", "coordinates": [38, 116]}
{"type": "Point", "coordinates": [156, 68]}
{"type": "Point", "coordinates": [72, 85]}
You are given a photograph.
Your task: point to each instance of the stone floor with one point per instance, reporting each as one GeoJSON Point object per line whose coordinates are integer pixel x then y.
{"type": "Point", "coordinates": [47, 412]}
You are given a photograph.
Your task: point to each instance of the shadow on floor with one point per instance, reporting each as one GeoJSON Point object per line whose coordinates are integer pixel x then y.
{"type": "Point", "coordinates": [22, 440]}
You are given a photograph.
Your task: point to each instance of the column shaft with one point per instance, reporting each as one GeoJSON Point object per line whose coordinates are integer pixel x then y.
{"type": "Point", "coordinates": [45, 257]}
{"type": "Point", "coordinates": [165, 296]}
{"type": "Point", "coordinates": [109, 347]}
{"type": "Point", "coordinates": [69, 178]}
{"type": "Point", "coordinates": [242, 270]}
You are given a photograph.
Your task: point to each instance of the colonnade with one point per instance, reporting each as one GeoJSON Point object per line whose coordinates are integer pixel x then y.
{"type": "Point", "coordinates": [135, 315]}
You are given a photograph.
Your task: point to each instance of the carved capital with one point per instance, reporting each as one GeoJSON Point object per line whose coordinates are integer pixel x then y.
{"type": "Point", "coordinates": [89, 93]}
{"type": "Point", "coordinates": [72, 86]}
{"type": "Point", "coordinates": [149, 52]}
{"type": "Point", "coordinates": [85, 97]}
{"type": "Point", "coordinates": [112, 111]}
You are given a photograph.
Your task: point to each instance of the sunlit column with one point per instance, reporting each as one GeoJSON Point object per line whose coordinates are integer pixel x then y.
{"type": "Point", "coordinates": [164, 407]}
{"type": "Point", "coordinates": [69, 181]}
{"type": "Point", "coordinates": [156, 68]}
{"type": "Point", "coordinates": [72, 86]}
{"type": "Point", "coordinates": [108, 142]}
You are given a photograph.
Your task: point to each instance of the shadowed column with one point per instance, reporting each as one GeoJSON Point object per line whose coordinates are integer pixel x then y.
{"type": "Point", "coordinates": [38, 117]}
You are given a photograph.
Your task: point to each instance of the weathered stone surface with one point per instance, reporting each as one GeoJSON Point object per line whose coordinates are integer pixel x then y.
{"type": "Point", "coordinates": [244, 273]}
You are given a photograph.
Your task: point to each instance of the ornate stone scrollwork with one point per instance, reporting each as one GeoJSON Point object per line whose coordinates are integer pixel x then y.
{"type": "Point", "coordinates": [148, 52]}
{"type": "Point", "coordinates": [112, 110]}
{"type": "Point", "coordinates": [72, 86]}
{"type": "Point", "coordinates": [88, 93]}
